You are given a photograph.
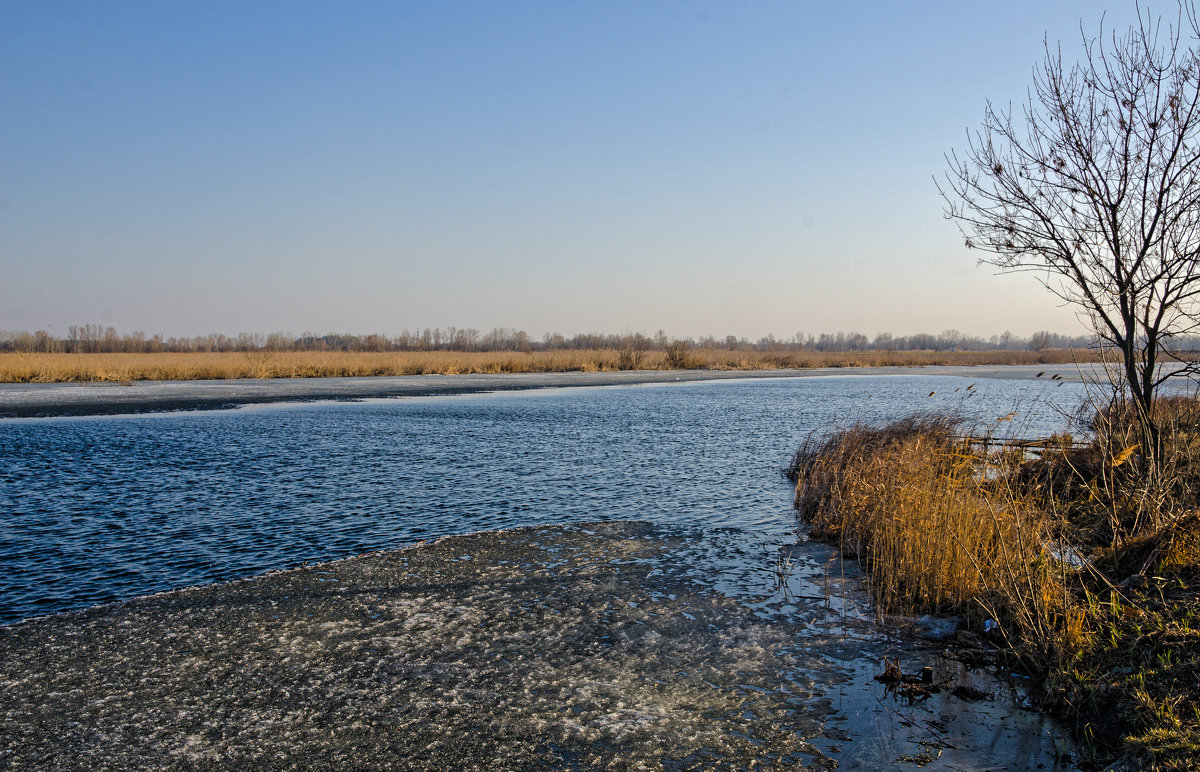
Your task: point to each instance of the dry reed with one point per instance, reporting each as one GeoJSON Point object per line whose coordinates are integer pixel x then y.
{"type": "Point", "coordinates": [59, 368]}
{"type": "Point", "coordinates": [936, 531]}
{"type": "Point", "coordinates": [1113, 634]}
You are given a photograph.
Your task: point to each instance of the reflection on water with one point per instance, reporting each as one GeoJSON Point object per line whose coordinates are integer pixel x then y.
{"type": "Point", "coordinates": [98, 509]}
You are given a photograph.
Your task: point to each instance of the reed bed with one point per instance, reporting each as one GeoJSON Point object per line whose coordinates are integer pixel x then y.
{"type": "Point", "coordinates": [60, 368]}
{"type": "Point", "coordinates": [937, 533]}
{"type": "Point", "coordinates": [1053, 559]}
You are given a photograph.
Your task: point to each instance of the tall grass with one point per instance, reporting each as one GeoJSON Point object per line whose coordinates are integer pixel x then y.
{"type": "Point", "coordinates": [1086, 588]}
{"type": "Point", "coordinates": [54, 368]}
{"type": "Point", "coordinates": [1103, 486]}
{"type": "Point", "coordinates": [58, 368]}
{"type": "Point", "coordinates": [936, 528]}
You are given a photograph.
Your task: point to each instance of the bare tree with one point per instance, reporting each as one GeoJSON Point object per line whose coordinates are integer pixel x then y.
{"type": "Point", "coordinates": [632, 351]}
{"type": "Point", "coordinates": [1095, 185]}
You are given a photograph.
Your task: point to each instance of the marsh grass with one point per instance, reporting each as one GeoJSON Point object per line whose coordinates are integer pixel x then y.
{"type": "Point", "coordinates": [55, 368]}
{"type": "Point", "coordinates": [59, 368]}
{"type": "Point", "coordinates": [1107, 483]}
{"type": "Point", "coordinates": [1102, 609]}
{"type": "Point", "coordinates": [937, 532]}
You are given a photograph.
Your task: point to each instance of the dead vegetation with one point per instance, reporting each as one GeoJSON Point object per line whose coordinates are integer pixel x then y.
{"type": "Point", "coordinates": [1078, 567]}
{"type": "Point", "coordinates": [633, 354]}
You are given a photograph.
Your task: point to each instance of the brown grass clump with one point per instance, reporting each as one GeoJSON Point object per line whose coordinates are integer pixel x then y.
{"type": "Point", "coordinates": [633, 355]}
{"type": "Point", "coordinates": [1102, 487]}
{"type": "Point", "coordinates": [1112, 634]}
{"type": "Point", "coordinates": [925, 513]}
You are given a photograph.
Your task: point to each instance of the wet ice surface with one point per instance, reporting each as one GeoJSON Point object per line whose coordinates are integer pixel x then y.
{"type": "Point", "coordinates": [107, 398]}
{"type": "Point", "coordinates": [591, 646]}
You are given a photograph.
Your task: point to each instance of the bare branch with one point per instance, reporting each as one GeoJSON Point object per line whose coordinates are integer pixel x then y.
{"type": "Point", "coordinates": [1094, 184]}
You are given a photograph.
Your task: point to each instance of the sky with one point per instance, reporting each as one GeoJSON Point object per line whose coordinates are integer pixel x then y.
{"type": "Point", "coordinates": [701, 168]}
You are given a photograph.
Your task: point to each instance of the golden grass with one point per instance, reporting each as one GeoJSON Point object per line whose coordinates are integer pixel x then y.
{"type": "Point", "coordinates": [59, 368]}
{"type": "Point", "coordinates": [54, 368]}
{"type": "Point", "coordinates": [942, 526]}
{"type": "Point", "coordinates": [935, 530]}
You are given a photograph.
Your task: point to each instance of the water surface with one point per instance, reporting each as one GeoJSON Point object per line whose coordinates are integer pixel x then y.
{"type": "Point", "coordinates": [105, 508]}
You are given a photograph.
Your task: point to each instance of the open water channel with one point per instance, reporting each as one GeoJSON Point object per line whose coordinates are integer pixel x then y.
{"type": "Point", "coordinates": [674, 520]}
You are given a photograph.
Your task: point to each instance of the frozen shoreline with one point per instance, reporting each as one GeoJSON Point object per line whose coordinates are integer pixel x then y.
{"type": "Point", "coordinates": [30, 400]}
{"type": "Point", "coordinates": [599, 645]}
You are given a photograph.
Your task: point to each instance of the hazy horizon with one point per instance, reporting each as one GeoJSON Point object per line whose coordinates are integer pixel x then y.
{"type": "Point", "coordinates": [413, 331]}
{"type": "Point", "coordinates": [508, 338]}
{"type": "Point", "coordinates": [703, 169]}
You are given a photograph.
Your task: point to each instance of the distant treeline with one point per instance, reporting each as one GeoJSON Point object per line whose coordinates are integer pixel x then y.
{"type": "Point", "coordinates": [94, 338]}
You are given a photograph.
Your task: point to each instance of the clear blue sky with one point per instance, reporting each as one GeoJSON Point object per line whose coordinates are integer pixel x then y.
{"type": "Point", "coordinates": [703, 168]}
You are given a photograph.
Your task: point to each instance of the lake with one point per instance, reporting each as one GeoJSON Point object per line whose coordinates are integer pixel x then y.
{"type": "Point", "coordinates": [610, 578]}
{"type": "Point", "coordinates": [99, 509]}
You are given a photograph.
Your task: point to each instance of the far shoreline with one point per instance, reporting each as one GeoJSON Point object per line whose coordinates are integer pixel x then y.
{"type": "Point", "coordinates": [54, 400]}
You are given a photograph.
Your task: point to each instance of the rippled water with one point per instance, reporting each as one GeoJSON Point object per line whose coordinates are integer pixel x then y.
{"type": "Point", "coordinates": [99, 509]}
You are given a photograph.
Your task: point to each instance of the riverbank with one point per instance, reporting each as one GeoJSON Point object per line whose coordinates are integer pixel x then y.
{"type": "Point", "coordinates": [1068, 563]}
{"type": "Point", "coordinates": [263, 364]}
{"type": "Point", "coordinates": [597, 646]}
{"type": "Point", "coordinates": [25, 400]}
